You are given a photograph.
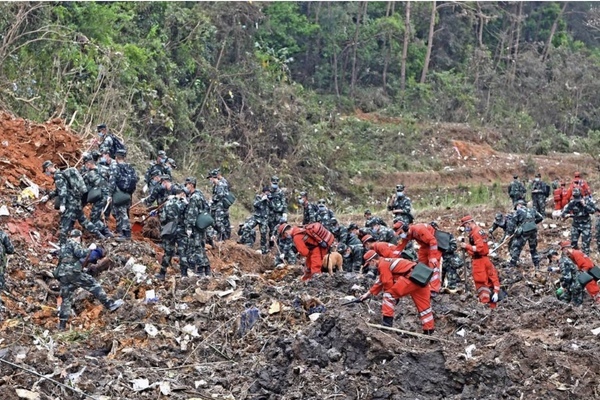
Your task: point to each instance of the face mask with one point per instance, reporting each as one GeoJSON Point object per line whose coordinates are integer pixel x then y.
{"type": "Point", "coordinates": [403, 235]}
{"type": "Point", "coordinates": [104, 159]}
{"type": "Point", "coordinates": [537, 179]}
{"type": "Point", "coordinates": [467, 229]}
{"type": "Point", "coordinates": [186, 190]}
{"type": "Point", "coordinates": [321, 207]}
{"type": "Point", "coordinates": [163, 160]}
{"type": "Point", "coordinates": [400, 194]}
{"type": "Point", "coordinates": [301, 201]}
{"type": "Point", "coordinates": [47, 173]}
{"type": "Point", "coordinates": [375, 229]}
{"type": "Point", "coordinates": [274, 186]}
{"type": "Point", "coordinates": [100, 135]}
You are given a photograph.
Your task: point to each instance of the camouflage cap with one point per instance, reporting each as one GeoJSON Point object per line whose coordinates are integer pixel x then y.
{"type": "Point", "coordinates": [190, 179]}
{"type": "Point", "coordinates": [274, 179]}
{"type": "Point", "coordinates": [101, 126]}
{"type": "Point", "coordinates": [213, 173]}
{"type": "Point", "coordinates": [162, 153]}
{"type": "Point", "coordinates": [121, 153]}
{"type": "Point", "coordinates": [176, 189]}
{"type": "Point", "coordinates": [75, 233]}
{"type": "Point", "coordinates": [46, 165]}
{"type": "Point", "coordinates": [166, 178]}
{"type": "Point", "coordinates": [87, 157]}
{"type": "Point", "coordinates": [352, 226]}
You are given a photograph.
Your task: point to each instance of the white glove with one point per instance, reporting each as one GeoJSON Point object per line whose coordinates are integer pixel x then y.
{"type": "Point", "coordinates": [171, 196]}
{"type": "Point", "coordinates": [282, 256]}
{"type": "Point", "coordinates": [44, 199]}
{"type": "Point", "coordinates": [188, 232]}
{"type": "Point", "coordinates": [92, 246]}
{"type": "Point", "coordinates": [109, 200]}
{"type": "Point", "coordinates": [62, 208]}
{"type": "Point", "coordinates": [145, 188]}
{"type": "Point", "coordinates": [364, 296]}
{"type": "Point", "coordinates": [495, 298]}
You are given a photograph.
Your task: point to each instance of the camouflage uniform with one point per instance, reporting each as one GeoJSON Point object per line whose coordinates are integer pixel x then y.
{"type": "Point", "coordinates": [277, 207]}
{"type": "Point", "coordinates": [174, 211]}
{"type": "Point", "coordinates": [107, 145]}
{"type": "Point", "coordinates": [516, 190]}
{"type": "Point", "coordinates": [94, 180]}
{"type": "Point", "coordinates": [309, 213]}
{"type": "Point", "coordinates": [354, 260]}
{"type": "Point", "coordinates": [158, 194]}
{"type": "Point", "coordinates": [581, 210]}
{"type": "Point", "coordinates": [196, 250]}
{"type": "Point", "coordinates": [325, 216]}
{"type": "Point", "coordinates": [260, 217]}
{"type": "Point", "coordinates": [219, 212]}
{"type": "Point", "coordinates": [538, 195]}
{"type": "Point", "coordinates": [451, 263]}
{"type": "Point", "coordinates": [402, 206]}
{"type": "Point", "coordinates": [572, 290]}
{"type": "Point", "coordinates": [156, 169]}
{"type": "Point", "coordinates": [104, 170]}
{"type": "Point", "coordinates": [385, 234]}
{"type": "Point", "coordinates": [6, 247]}
{"type": "Point", "coordinates": [286, 248]}
{"type": "Point", "coordinates": [71, 277]}
{"type": "Point", "coordinates": [522, 217]}
{"type": "Point", "coordinates": [340, 232]}
{"type": "Point", "coordinates": [121, 213]}
{"type": "Point", "coordinates": [73, 209]}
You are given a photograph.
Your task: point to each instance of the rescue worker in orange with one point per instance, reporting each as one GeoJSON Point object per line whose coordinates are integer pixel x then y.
{"type": "Point", "coordinates": [428, 254]}
{"type": "Point", "coordinates": [485, 275]}
{"type": "Point", "coordinates": [561, 196]}
{"type": "Point", "coordinates": [395, 283]}
{"type": "Point", "coordinates": [384, 249]}
{"type": "Point", "coordinates": [307, 247]}
{"type": "Point", "coordinates": [581, 184]}
{"type": "Point", "coordinates": [584, 263]}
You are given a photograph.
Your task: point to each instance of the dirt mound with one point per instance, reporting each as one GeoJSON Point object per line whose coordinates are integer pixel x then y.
{"type": "Point", "coordinates": [26, 145]}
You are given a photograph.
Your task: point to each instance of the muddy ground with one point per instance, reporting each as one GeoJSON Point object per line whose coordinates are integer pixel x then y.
{"type": "Point", "coordinates": [244, 334]}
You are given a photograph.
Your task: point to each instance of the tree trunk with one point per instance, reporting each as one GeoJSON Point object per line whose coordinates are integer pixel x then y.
{"type": "Point", "coordinates": [405, 48]}
{"type": "Point", "coordinates": [362, 11]}
{"type": "Point", "coordinates": [387, 47]}
{"type": "Point", "coordinates": [553, 31]}
{"type": "Point", "coordinates": [429, 42]}
{"type": "Point", "coordinates": [516, 56]}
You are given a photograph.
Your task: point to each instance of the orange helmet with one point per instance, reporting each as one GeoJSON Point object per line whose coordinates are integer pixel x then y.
{"type": "Point", "coordinates": [369, 255]}
{"type": "Point", "coordinates": [367, 238]}
{"type": "Point", "coordinates": [564, 243]}
{"type": "Point", "coordinates": [282, 228]}
{"type": "Point", "coordinates": [578, 174]}
{"type": "Point", "coordinates": [465, 219]}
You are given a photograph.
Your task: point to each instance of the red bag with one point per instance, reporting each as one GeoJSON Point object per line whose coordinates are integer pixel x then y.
{"type": "Point", "coordinates": [321, 235]}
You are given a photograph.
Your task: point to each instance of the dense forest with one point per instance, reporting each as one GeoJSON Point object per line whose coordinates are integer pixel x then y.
{"type": "Point", "coordinates": [269, 87]}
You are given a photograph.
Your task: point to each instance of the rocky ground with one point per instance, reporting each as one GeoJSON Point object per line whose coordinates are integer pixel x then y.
{"type": "Point", "coordinates": [245, 333]}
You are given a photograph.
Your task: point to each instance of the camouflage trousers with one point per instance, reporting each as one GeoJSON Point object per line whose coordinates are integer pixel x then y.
{"type": "Point", "coordinates": [176, 246]}
{"type": "Point", "coordinates": [451, 263]}
{"type": "Point", "coordinates": [582, 228]}
{"type": "Point", "coordinates": [287, 249]}
{"type": "Point", "coordinates": [539, 204]}
{"type": "Point", "coordinates": [73, 280]}
{"type": "Point", "coordinates": [2, 271]}
{"type": "Point", "coordinates": [67, 222]}
{"type": "Point", "coordinates": [517, 245]}
{"type": "Point", "coordinates": [273, 220]}
{"type": "Point", "coordinates": [96, 211]}
{"type": "Point", "coordinates": [222, 224]}
{"type": "Point", "coordinates": [121, 214]}
{"type": "Point", "coordinates": [248, 235]}
{"type": "Point", "coordinates": [354, 260]}
{"type": "Point", "coordinates": [572, 292]}
{"type": "Point", "coordinates": [196, 252]}
{"type": "Point", "coordinates": [597, 235]}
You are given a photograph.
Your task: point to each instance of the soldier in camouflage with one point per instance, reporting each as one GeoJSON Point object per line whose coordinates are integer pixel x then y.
{"type": "Point", "coordinates": [218, 209]}
{"type": "Point", "coordinates": [581, 209]}
{"type": "Point", "coordinates": [525, 220]}
{"type": "Point", "coordinates": [309, 210]}
{"type": "Point", "coordinates": [158, 194]}
{"type": "Point", "coordinates": [324, 214]}
{"type": "Point", "coordinates": [196, 250]}
{"type": "Point", "coordinates": [340, 232]}
{"type": "Point", "coordinates": [500, 221]}
{"type": "Point", "coordinates": [401, 206]}
{"type": "Point", "coordinates": [71, 277]}
{"type": "Point", "coordinates": [120, 212]}
{"type": "Point", "coordinates": [69, 204]}
{"type": "Point", "coordinates": [539, 194]}
{"type": "Point", "coordinates": [104, 164]}
{"type": "Point", "coordinates": [516, 190]}
{"type": "Point", "coordinates": [451, 263]}
{"type": "Point", "coordinates": [380, 232]}
{"type": "Point", "coordinates": [172, 214]}
{"type": "Point", "coordinates": [570, 289]}
{"type": "Point", "coordinates": [6, 248]}
{"type": "Point", "coordinates": [277, 206]}
{"type": "Point", "coordinates": [158, 167]}
{"type": "Point", "coordinates": [286, 251]}
{"type": "Point", "coordinates": [355, 257]}
{"type": "Point", "coordinates": [95, 181]}
{"type": "Point", "coordinates": [260, 218]}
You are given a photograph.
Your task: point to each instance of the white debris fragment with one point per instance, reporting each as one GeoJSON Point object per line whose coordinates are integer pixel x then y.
{"type": "Point", "coordinates": [151, 330]}
{"type": "Point", "coordinates": [469, 351]}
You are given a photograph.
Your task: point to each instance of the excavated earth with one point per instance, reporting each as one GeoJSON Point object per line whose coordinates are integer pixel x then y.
{"type": "Point", "coordinates": [243, 334]}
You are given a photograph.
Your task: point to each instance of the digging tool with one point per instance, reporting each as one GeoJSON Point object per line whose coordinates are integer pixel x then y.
{"type": "Point", "coordinates": [419, 335]}
{"type": "Point", "coordinates": [506, 239]}
{"type": "Point", "coordinates": [108, 201]}
{"type": "Point", "coordinates": [355, 301]}
{"type": "Point", "coordinates": [86, 150]}
{"type": "Point", "coordinates": [139, 202]}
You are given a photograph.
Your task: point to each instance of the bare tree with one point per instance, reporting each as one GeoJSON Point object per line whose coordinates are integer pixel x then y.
{"type": "Point", "coordinates": [553, 31]}
{"type": "Point", "coordinates": [429, 42]}
{"type": "Point", "coordinates": [405, 47]}
{"type": "Point", "coordinates": [360, 16]}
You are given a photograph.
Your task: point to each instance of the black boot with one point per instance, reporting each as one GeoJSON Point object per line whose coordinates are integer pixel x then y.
{"type": "Point", "coordinates": [428, 331]}
{"type": "Point", "coordinates": [388, 321]}
{"type": "Point", "coordinates": [162, 273]}
{"type": "Point", "coordinates": [106, 232]}
{"type": "Point", "coordinates": [125, 237]}
{"type": "Point", "coordinates": [62, 324]}
{"type": "Point", "coordinates": [207, 270]}
{"type": "Point", "coordinates": [184, 270]}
